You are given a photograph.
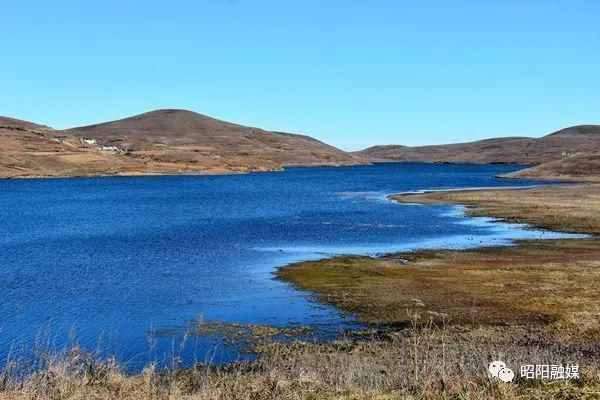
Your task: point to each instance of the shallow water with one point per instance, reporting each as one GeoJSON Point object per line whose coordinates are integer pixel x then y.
{"type": "Point", "coordinates": [135, 260]}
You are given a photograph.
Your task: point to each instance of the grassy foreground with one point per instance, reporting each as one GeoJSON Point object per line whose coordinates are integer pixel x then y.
{"type": "Point", "coordinates": [438, 318]}
{"type": "Point", "coordinates": [427, 361]}
{"type": "Point", "coordinates": [549, 289]}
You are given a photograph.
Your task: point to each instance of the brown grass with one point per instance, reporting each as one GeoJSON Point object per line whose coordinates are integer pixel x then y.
{"type": "Point", "coordinates": [555, 283]}
{"type": "Point", "coordinates": [573, 208]}
{"type": "Point", "coordinates": [427, 361]}
{"type": "Point", "coordinates": [582, 167]}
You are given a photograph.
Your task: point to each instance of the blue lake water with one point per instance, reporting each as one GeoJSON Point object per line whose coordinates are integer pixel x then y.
{"type": "Point", "coordinates": [135, 260]}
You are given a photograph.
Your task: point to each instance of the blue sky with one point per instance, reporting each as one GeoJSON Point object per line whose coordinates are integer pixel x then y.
{"type": "Point", "coordinates": [351, 73]}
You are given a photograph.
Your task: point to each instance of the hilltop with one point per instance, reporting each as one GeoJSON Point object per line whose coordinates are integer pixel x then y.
{"type": "Point", "coordinates": [14, 124]}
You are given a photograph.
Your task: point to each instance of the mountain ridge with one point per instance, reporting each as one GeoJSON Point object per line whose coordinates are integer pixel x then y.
{"type": "Point", "coordinates": [176, 141]}
{"type": "Point", "coordinates": [513, 149]}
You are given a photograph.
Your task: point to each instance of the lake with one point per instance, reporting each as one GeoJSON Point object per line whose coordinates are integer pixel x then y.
{"type": "Point", "coordinates": [128, 264]}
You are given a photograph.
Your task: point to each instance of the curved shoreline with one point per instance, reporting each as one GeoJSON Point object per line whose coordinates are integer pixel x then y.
{"type": "Point", "coordinates": [354, 283]}
{"type": "Point", "coordinates": [562, 208]}
{"type": "Point", "coordinates": [464, 189]}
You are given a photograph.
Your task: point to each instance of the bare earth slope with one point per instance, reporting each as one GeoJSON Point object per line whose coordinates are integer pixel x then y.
{"type": "Point", "coordinates": [578, 167]}
{"type": "Point", "coordinates": [184, 142]}
{"type": "Point", "coordinates": [581, 138]}
{"type": "Point", "coordinates": [14, 124]}
{"type": "Point", "coordinates": [179, 139]}
{"type": "Point", "coordinates": [483, 151]}
{"type": "Point", "coordinates": [158, 142]}
{"type": "Point", "coordinates": [31, 150]}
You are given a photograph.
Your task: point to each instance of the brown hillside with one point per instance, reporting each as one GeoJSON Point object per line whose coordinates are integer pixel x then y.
{"type": "Point", "coordinates": [158, 142]}
{"type": "Point", "coordinates": [483, 151]}
{"type": "Point", "coordinates": [578, 167]}
{"type": "Point", "coordinates": [31, 150]}
{"type": "Point", "coordinates": [7, 123]}
{"type": "Point", "coordinates": [183, 139]}
{"type": "Point", "coordinates": [571, 140]}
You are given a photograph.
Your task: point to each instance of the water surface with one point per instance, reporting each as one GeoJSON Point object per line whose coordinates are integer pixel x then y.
{"type": "Point", "coordinates": [135, 260]}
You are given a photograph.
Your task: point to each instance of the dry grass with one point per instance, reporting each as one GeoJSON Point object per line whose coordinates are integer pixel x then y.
{"type": "Point", "coordinates": [425, 361]}
{"type": "Point", "coordinates": [582, 167]}
{"type": "Point", "coordinates": [551, 287]}
{"type": "Point", "coordinates": [554, 283]}
{"type": "Point", "coordinates": [573, 208]}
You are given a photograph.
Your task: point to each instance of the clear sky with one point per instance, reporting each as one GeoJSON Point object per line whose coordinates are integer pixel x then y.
{"type": "Point", "coordinates": [351, 73]}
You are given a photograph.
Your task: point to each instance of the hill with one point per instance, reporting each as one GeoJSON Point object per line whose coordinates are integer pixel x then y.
{"type": "Point", "coordinates": [185, 141]}
{"type": "Point", "coordinates": [158, 142]}
{"type": "Point", "coordinates": [14, 124]}
{"type": "Point", "coordinates": [578, 167]}
{"type": "Point", "coordinates": [582, 138]}
{"type": "Point", "coordinates": [32, 150]}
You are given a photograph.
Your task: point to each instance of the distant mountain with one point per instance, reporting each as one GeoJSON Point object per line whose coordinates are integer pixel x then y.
{"type": "Point", "coordinates": [158, 142]}
{"type": "Point", "coordinates": [582, 138]}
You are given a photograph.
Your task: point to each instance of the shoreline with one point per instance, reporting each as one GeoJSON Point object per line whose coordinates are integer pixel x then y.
{"type": "Point", "coordinates": [468, 189]}
{"type": "Point", "coordinates": [331, 279]}
{"type": "Point", "coordinates": [566, 208]}
{"type": "Point", "coordinates": [233, 172]}
{"type": "Point", "coordinates": [134, 175]}
{"type": "Point", "coordinates": [186, 173]}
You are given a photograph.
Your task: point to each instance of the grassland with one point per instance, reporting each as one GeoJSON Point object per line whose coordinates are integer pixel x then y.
{"type": "Point", "coordinates": [554, 283]}
{"type": "Point", "coordinates": [551, 282]}
{"type": "Point", "coordinates": [572, 208]}
{"type": "Point", "coordinates": [550, 287]}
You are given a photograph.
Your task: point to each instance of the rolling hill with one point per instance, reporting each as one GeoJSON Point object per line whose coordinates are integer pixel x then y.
{"type": "Point", "coordinates": [180, 139]}
{"type": "Point", "coordinates": [32, 150]}
{"type": "Point", "coordinates": [158, 142]}
{"type": "Point", "coordinates": [582, 138]}
{"type": "Point", "coordinates": [184, 142]}
{"type": "Point", "coordinates": [577, 167]}
{"type": "Point", "coordinates": [13, 124]}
